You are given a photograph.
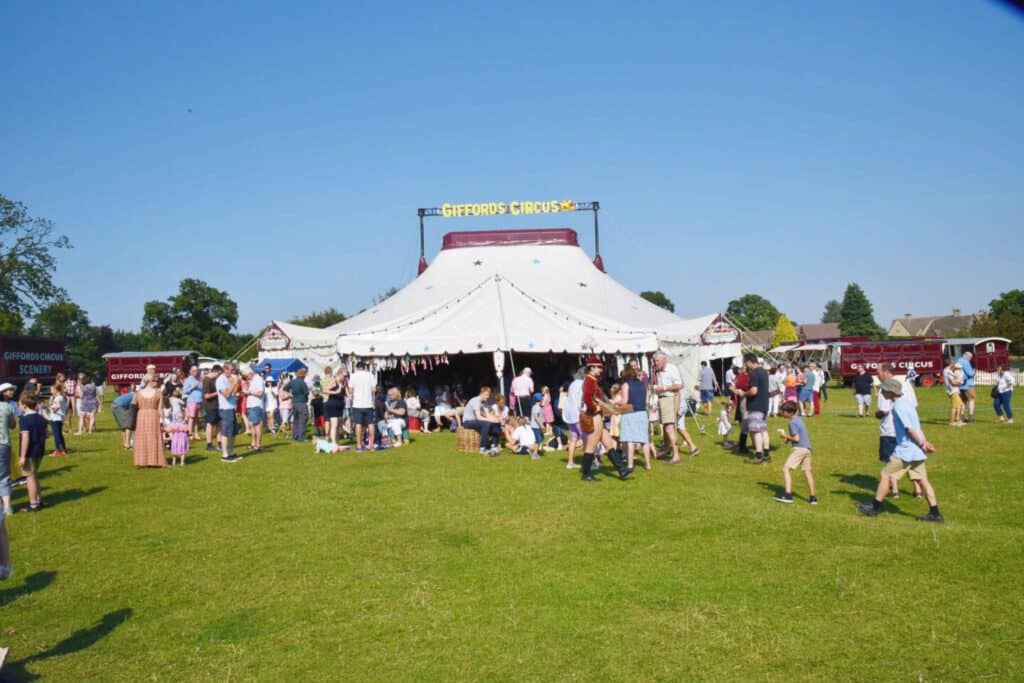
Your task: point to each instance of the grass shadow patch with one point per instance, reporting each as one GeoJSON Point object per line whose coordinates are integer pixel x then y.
{"type": "Point", "coordinates": [33, 582]}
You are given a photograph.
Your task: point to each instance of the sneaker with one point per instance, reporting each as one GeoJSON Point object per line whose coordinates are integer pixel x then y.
{"type": "Point", "coordinates": [784, 498]}
{"type": "Point", "coordinates": [572, 466]}
{"type": "Point", "coordinates": [694, 452]}
{"type": "Point", "coordinates": [5, 572]}
{"type": "Point", "coordinates": [813, 500]}
{"type": "Point", "coordinates": [483, 451]}
{"type": "Point", "coordinates": [535, 456]}
{"type": "Point", "coordinates": [230, 458]}
{"type": "Point", "coordinates": [867, 509]}
{"type": "Point", "coordinates": [931, 517]}
{"type": "Point", "coordinates": [211, 447]}
{"type": "Point", "coordinates": [755, 460]}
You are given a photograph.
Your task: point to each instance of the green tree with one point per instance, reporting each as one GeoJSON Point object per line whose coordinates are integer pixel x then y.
{"type": "Point", "coordinates": [11, 323]}
{"type": "Point", "coordinates": [785, 332]}
{"type": "Point", "coordinates": [856, 315]}
{"type": "Point", "coordinates": [320, 319]}
{"type": "Point", "coordinates": [1005, 324]}
{"type": "Point", "coordinates": [659, 299]}
{"type": "Point", "coordinates": [67, 320]}
{"type": "Point", "coordinates": [27, 260]}
{"type": "Point", "coordinates": [198, 318]}
{"type": "Point", "coordinates": [1011, 302]}
{"type": "Point", "coordinates": [127, 340]}
{"type": "Point", "coordinates": [753, 312]}
{"type": "Point", "coordinates": [832, 312]}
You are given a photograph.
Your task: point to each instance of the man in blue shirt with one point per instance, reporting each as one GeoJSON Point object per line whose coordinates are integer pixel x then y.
{"type": "Point", "coordinates": [967, 388]}
{"type": "Point", "coordinates": [909, 456]}
{"type": "Point", "coordinates": [708, 386]}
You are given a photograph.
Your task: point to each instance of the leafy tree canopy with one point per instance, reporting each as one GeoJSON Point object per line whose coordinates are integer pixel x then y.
{"type": "Point", "coordinates": [659, 299]}
{"type": "Point", "coordinates": [199, 317]}
{"type": "Point", "coordinates": [27, 260]}
{"type": "Point", "coordinates": [321, 319]}
{"type": "Point", "coordinates": [1011, 302]}
{"type": "Point", "coordinates": [753, 312]}
{"type": "Point", "coordinates": [67, 320]}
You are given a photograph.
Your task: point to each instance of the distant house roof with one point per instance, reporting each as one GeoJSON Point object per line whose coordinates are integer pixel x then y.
{"type": "Point", "coordinates": [932, 326]}
{"type": "Point", "coordinates": [758, 338]}
{"type": "Point", "coordinates": [818, 331]}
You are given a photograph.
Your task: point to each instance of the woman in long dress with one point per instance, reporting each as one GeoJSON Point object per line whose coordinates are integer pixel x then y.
{"type": "Point", "coordinates": [149, 447]}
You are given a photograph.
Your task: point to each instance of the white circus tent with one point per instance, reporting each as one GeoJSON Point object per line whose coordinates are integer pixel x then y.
{"type": "Point", "coordinates": [519, 291]}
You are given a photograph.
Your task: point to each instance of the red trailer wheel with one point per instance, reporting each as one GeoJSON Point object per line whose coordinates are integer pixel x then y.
{"type": "Point", "coordinates": [928, 381]}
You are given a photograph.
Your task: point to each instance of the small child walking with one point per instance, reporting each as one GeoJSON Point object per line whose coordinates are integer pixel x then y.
{"type": "Point", "coordinates": [725, 424]}
{"type": "Point", "coordinates": [800, 456]}
{"type": "Point", "coordinates": [178, 429]}
{"type": "Point", "coordinates": [548, 411]}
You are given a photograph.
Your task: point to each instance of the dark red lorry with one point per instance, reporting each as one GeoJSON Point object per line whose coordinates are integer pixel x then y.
{"type": "Point", "coordinates": [126, 368]}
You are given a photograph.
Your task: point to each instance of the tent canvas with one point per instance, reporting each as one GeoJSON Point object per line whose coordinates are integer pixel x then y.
{"type": "Point", "coordinates": [529, 291]}
{"type": "Point", "coordinates": [279, 365]}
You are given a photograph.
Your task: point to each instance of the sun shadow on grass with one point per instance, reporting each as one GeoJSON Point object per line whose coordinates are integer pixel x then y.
{"type": "Point", "coordinates": [861, 481]}
{"type": "Point", "coordinates": [33, 582]}
{"type": "Point", "coordinates": [70, 495]}
{"type": "Point", "coordinates": [54, 471]}
{"type": "Point", "coordinates": [81, 639]}
{"type": "Point", "coordinates": [775, 489]}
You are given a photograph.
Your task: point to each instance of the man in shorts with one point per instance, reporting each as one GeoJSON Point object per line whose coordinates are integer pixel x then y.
{"type": "Point", "coordinates": [887, 430]}
{"type": "Point", "coordinates": [668, 385]}
{"type": "Point", "coordinates": [211, 413]}
{"type": "Point", "coordinates": [909, 456]}
{"type": "Point", "coordinates": [193, 391]}
{"type": "Point", "coordinates": [756, 419]}
{"type": "Point", "coordinates": [862, 391]}
{"type": "Point", "coordinates": [361, 385]}
{"type": "Point", "coordinates": [967, 388]}
{"type": "Point", "coordinates": [952, 379]}
{"type": "Point", "coordinates": [708, 386]}
{"type": "Point", "coordinates": [227, 386]}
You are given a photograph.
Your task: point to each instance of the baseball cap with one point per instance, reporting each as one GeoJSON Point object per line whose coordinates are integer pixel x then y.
{"type": "Point", "coordinates": [538, 396]}
{"type": "Point", "coordinates": [893, 386]}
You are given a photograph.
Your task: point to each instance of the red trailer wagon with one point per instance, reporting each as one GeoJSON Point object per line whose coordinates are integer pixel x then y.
{"type": "Point", "coordinates": [989, 352]}
{"type": "Point", "coordinates": [923, 355]}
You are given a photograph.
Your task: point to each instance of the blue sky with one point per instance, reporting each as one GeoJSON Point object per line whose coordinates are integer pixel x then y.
{"type": "Point", "coordinates": [280, 150]}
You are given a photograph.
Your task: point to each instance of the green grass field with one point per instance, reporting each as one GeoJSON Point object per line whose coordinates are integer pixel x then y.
{"type": "Point", "coordinates": [425, 564]}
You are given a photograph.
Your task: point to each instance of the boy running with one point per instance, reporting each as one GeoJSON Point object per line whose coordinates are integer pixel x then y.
{"type": "Point", "coordinates": [912, 449]}
{"type": "Point", "coordinates": [800, 456]}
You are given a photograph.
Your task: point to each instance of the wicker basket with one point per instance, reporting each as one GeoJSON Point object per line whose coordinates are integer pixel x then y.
{"type": "Point", "coordinates": [467, 440]}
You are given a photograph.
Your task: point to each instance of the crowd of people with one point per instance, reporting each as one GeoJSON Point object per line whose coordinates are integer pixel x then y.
{"type": "Point", "coordinates": [587, 416]}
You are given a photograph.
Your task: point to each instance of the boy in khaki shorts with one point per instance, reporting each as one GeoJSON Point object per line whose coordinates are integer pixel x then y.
{"type": "Point", "coordinates": [800, 456]}
{"type": "Point", "coordinates": [912, 449]}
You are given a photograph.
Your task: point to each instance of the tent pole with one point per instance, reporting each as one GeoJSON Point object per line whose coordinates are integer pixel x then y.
{"type": "Point", "coordinates": [423, 258]}
{"type": "Point", "coordinates": [598, 261]}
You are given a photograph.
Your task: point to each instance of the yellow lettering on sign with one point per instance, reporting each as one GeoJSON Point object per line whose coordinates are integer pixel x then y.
{"type": "Point", "coordinates": [514, 208]}
{"type": "Point", "coordinates": [502, 208]}
{"type": "Point", "coordinates": [446, 210]}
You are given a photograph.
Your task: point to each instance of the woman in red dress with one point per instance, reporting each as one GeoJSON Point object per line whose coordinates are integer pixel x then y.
{"type": "Point", "coordinates": [594, 433]}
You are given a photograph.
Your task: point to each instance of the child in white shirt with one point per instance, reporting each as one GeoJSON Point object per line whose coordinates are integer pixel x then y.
{"type": "Point", "coordinates": [524, 440]}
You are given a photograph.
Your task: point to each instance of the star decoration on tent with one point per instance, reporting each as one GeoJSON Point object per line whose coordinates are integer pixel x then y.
{"type": "Point", "coordinates": [536, 261]}
{"type": "Point", "coordinates": [427, 348]}
{"type": "Point", "coordinates": [372, 349]}
{"type": "Point", "coordinates": [479, 345]}
{"type": "Point", "coordinates": [478, 262]}
{"type": "Point", "coordinates": [583, 284]}
{"type": "Point", "coordinates": [529, 345]}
